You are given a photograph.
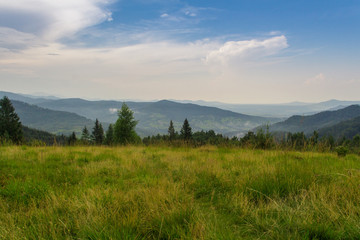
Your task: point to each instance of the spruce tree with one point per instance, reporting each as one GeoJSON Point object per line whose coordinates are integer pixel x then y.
{"type": "Point", "coordinates": [171, 131]}
{"type": "Point", "coordinates": [109, 137]}
{"type": "Point", "coordinates": [98, 133]}
{"type": "Point", "coordinates": [72, 139]}
{"type": "Point", "coordinates": [185, 132]}
{"type": "Point", "coordinates": [10, 125]}
{"type": "Point", "coordinates": [124, 129]}
{"type": "Point", "coordinates": [85, 135]}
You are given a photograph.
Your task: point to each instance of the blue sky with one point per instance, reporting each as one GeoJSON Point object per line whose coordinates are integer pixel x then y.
{"type": "Point", "coordinates": [245, 51]}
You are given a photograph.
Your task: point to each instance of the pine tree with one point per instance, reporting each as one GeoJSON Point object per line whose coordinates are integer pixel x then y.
{"type": "Point", "coordinates": [109, 137]}
{"type": "Point", "coordinates": [185, 132]}
{"type": "Point", "coordinates": [98, 133]}
{"type": "Point", "coordinates": [10, 125]}
{"type": "Point", "coordinates": [124, 129]}
{"type": "Point", "coordinates": [72, 139]}
{"type": "Point", "coordinates": [171, 131]}
{"type": "Point", "coordinates": [85, 135]}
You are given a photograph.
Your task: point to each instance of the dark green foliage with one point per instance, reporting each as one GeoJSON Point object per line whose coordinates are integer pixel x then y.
{"type": "Point", "coordinates": [72, 139]}
{"type": "Point", "coordinates": [211, 138]}
{"type": "Point", "coordinates": [347, 129]}
{"type": "Point", "coordinates": [10, 125]}
{"type": "Point", "coordinates": [342, 151]}
{"type": "Point", "coordinates": [109, 137]}
{"type": "Point", "coordinates": [262, 139]}
{"type": "Point", "coordinates": [297, 140]}
{"type": "Point", "coordinates": [356, 141]}
{"type": "Point", "coordinates": [171, 131]}
{"type": "Point", "coordinates": [98, 133]}
{"type": "Point", "coordinates": [85, 136]}
{"type": "Point", "coordinates": [314, 138]}
{"type": "Point", "coordinates": [124, 129]}
{"type": "Point", "coordinates": [186, 133]}
{"type": "Point", "coordinates": [34, 136]}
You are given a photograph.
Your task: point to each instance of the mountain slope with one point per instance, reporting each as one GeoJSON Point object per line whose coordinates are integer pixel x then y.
{"type": "Point", "coordinates": [56, 122]}
{"type": "Point", "coordinates": [347, 129]}
{"type": "Point", "coordinates": [31, 134]}
{"type": "Point", "coordinates": [154, 117]}
{"type": "Point", "coordinates": [308, 124]}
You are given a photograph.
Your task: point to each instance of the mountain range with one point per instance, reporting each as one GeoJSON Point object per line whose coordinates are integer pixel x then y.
{"type": "Point", "coordinates": [283, 110]}
{"type": "Point", "coordinates": [324, 122]}
{"type": "Point", "coordinates": [63, 116]}
{"type": "Point", "coordinates": [67, 115]}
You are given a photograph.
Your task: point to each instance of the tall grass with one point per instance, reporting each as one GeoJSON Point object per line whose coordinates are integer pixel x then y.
{"type": "Point", "coordinates": [177, 193]}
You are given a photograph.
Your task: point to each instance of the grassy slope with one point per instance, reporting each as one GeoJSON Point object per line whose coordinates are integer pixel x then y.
{"type": "Point", "coordinates": [177, 193]}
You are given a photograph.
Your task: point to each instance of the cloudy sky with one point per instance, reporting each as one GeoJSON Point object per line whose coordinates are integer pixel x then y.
{"type": "Point", "coordinates": [236, 51]}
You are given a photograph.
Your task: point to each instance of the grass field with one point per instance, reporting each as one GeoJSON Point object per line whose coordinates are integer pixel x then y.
{"type": "Point", "coordinates": [177, 193]}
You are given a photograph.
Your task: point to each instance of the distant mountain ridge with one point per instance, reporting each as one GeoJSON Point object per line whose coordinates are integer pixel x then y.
{"type": "Point", "coordinates": [154, 117]}
{"type": "Point", "coordinates": [308, 124]}
{"type": "Point", "coordinates": [73, 114]}
{"type": "Point", "coordinates": [278, 110]}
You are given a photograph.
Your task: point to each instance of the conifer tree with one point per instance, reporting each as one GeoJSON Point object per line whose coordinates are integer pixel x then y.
{"type": "Point", "coordinates": [72, 139]}
{"type": "Point", "coordinates": [85, 135]}
{"type": "Point", "coordinates": [109, 137]}
{"type": "Point", "coordinates": [124, 129]}
{"type": "Point", "coordinates": [10, 125]}
{"type": "Point", "coordinates": [185, 132]}
{"type": "Point", "coordinates": [171, 131]}
{"type": "Point", "coordinates": [98, 133]}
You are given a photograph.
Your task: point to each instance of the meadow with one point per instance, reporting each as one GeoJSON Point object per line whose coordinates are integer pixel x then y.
{"type": "Point", "coordinates": [137, 192]}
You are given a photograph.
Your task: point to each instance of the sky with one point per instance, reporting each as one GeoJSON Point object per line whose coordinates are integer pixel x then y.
{"type": "Point", "coordinates": [234, 51]}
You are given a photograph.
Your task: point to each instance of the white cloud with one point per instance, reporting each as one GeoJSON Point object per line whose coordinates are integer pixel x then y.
{"type": "Point", "coordinates": [248, 50]}
{"type": "Point", "coordinates": [316, 80]}
{"type": "Point", "coordinates": [51, 19]}
{"type": "Point", "coordinates": [191, 14]}
{"type": "Point", "coordinates": [164, 15]}
{"type": "Point", "coordinates": [12, 39]}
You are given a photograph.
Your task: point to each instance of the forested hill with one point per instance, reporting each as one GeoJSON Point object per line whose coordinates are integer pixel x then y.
{"type": "Point", "coordinates": [308, 124]}
{"type": "Point", "coordinates": [347, 129]}
{"type": "Point", "coordinates": [32, 135]}
{"type": "Point", "coordinates": [154, 117]}
{"type": "Point", "coordinates": [57, 122]}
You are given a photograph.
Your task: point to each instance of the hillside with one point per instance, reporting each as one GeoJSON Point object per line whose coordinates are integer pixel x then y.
{"type": "Point", "coordinates": [57, 122]}
{"type": "Point", "coordinates": [31, 134]}
{"type": "Point", "coordinates": [154, 117]}
{"type": "Point", "coordinates": [308, 124]}
{"type": "Point", "coordinates": [347, 129]}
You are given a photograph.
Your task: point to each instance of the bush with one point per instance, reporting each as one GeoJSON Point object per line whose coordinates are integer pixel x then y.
{"type": "Point", "coordinates": [341, 151]}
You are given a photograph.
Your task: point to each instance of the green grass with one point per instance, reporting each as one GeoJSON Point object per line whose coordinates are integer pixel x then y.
{"type": "Point", "coordinates": [177, 193]}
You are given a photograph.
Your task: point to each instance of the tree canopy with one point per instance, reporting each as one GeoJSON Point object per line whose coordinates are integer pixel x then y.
{"type": "Point", "coordinates": [10, 125]}
{"type": "Point", "coordinates": [171, 131]}
{"type": "Point", "coordinates": [186, 133]}
{"type": "Point", "coordinates": [98, 133]}
{"type": "Point", "coordinates": [124, 129]}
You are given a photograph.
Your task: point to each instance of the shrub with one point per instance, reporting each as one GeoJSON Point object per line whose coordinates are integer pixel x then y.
{"type": "Point", "coordinates": [341, 151]}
